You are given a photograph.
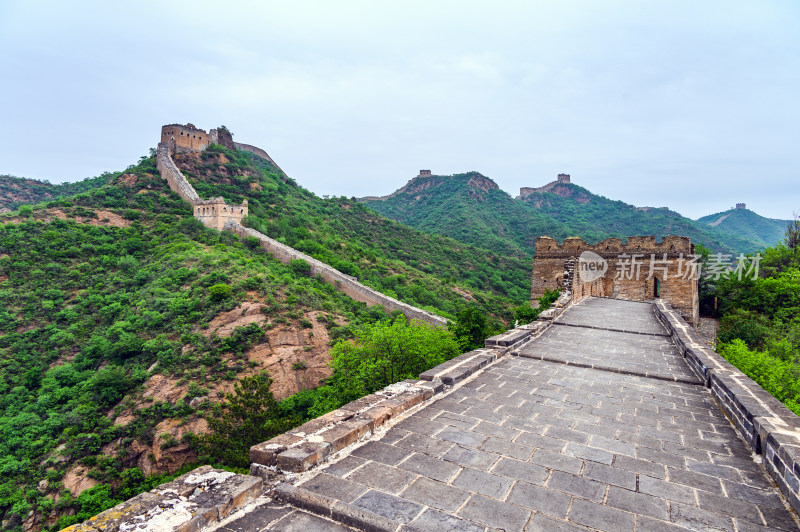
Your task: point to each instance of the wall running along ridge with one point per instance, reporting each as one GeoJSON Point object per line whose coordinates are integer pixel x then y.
{"type": "Point", "coordinates": [217, 214]}
{"type": "Point", "coordinates": [344, 283]}
{"type": "Point", "coordinates": [771, 429]}
{"type": "Point", "coordinates": [256, 151]}
{"type": "Point", "coordinates": [176, 180]}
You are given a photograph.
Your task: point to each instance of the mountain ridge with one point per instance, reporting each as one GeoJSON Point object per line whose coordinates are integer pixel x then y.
{"type": "Point", "coordinates": [490, 217]}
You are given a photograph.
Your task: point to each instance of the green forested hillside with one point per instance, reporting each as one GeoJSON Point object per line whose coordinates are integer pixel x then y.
{"type": "Point", "coordinates": [15, 191]}
{"type": "Point", "coordinates": [747, 224]}
{"type": "Point", "coordinates": [471, 208]}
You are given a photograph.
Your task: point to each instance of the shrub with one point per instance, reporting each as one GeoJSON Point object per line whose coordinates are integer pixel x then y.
{"type": "Point", "coordinates": [218, 292]}
{"type": "Point", "coordinates": [300, 267]}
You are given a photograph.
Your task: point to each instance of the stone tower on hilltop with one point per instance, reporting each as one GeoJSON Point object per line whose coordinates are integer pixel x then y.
{"type": "Point", "coordinates": [177, 138]}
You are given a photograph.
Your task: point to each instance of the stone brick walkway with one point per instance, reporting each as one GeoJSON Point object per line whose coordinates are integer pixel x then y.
{"type": "Point", "coordinates": [533, 444]}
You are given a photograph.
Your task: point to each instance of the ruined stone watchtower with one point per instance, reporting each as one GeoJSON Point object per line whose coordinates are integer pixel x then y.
{"type": "Point", "coordinates": [562, 178]}
{"type": "Point", "coordinates": [424, 173]}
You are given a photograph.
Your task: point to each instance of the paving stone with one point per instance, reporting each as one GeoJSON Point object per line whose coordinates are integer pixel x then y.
{"type": "Point", "coordinates": [466, 456]}
{"type": "Point", "coordinates": [610, 475]}
{"type": "Point", "coordinates": [579, 486]}
{"type": "Point", "coordinates": [381, 476]}
{"type": "Point", "coordinates": [389, 506]}
{"type": "Point", "coordinates": [614, 446]}
{"type": "Point", "coordinates": [424, 444]}
{"type": "Point", "coordinates": [456, 420]}
{"type": "Point", "coordinates": [335, 487]}
{"type": "Point", "coordinates": [345, 466]}
{"type": "Point", "coordinates": [728, 506]}
{"type": "Point", "coordinates": [561, 433]}
{"type": "Point", "coordinates": [259, 519]}
{"type": "Point", "coordinates": [502, 447]}
{"type": "Point", "coordinates": [589, 453]}
{"type": "Point", "coordinates": [557, 461]}
{"type": "Point", "coordinates": [600, 517]}
{"type": "Point", "coordinates": [660, 457]}
{"type": "Point", "coordinates": [486, 414]}
{"type": "Point", "coordinates": [544, 523]}
{"type": "Point", "coordinates": [640, 466]}
{"type": "Point", "coordinates": [435, 521]}
{"type": "Point", "coordinates": [380, 452]}
{"type": "Point", "coordinates": [483, 483]}
{"type": "Point", "coordinates": [654, 525]}
{"type": "Point", "coordinates": [498, 431]}
{"type": "Point", "coordinates": [758, 496]}
{"type": "Point", "coordinates": [638, 503]}
{"type": "Point", "coordinates": [695, 518]}
{"type": "Point", "coordinates": [436, 494]}
{"type": "Point", "coordinates": [778, 518]}
{"type": "Point", "coordinates": [695, 480]}
{"type": "Point", "coordinates": [434, 468]}
{"type": "Point", "coordinates": [495, 514]}
{"type": "Point", "coordinates": [714, 470]}
{"type": "Point", "coordinates": [462, 437]}
{"type": "Point", "coordinates": [666, 490]}
{"type": "Point", "coordinates": [515, 469]}
{"type": "Point", "coordinates": [304, 522]}
{"type": "Point", "coordinates": [394, 435]}
{"type": "Point", "coordinates": [539, 499]}
{"type": "Point", "coordinates": [420, 424]}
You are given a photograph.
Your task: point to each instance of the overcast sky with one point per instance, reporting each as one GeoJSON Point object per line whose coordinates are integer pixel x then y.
{"type": "Point", "coordinates": [692, 105]}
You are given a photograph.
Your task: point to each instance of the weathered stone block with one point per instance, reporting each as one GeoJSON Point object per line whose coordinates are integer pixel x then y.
{"type": "Point", "coordinates": [303, 456]}
{"type": "Point", "coordinates": [266, 453]}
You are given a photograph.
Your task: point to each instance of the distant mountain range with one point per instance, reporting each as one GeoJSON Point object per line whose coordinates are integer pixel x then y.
{"type": "Point", "coordinates": [471, 207]}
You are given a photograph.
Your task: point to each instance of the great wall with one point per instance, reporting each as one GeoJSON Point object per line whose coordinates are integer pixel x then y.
{"type": "Point", "coordinates": [609, 412]}
{"type": "Point", "coordinates": [217, 214]}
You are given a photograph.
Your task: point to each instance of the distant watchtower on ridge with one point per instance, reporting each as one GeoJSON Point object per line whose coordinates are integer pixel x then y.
{"type": "Point", "coordinates": [563, 178]}
{"type": "Point", "coordinates": [424, 173]}
{"type": "Point", "coordinates": [741, 206]}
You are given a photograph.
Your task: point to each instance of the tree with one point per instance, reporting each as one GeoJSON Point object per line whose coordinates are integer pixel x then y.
{"type": "Point", "coordinates": [793, 233]}
{"type": "Point", "coordinates": [249, 415]}
{"type": "Point", "coordinates": [470, 328]}
{"type": "Point", "coordinates": [218, 292]}
{"type": "Point", "coordinates": [388, 352]}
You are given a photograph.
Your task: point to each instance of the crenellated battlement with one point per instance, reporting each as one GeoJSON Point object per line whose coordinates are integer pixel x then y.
{"type": "Point", "coordinates": [574, 246]}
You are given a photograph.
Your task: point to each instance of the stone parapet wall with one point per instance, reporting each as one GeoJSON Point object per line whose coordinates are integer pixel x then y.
{"type": "Point", "coordinates": [344, 283]}
{"type": "Point", "coordinates": [771, 429]}
{"type": "Point", "coordinates": [191, 502]}
{"type": "Point", "coordinates": [169, 171]}
{"type": "Point", "coordinates": [256, 151]}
